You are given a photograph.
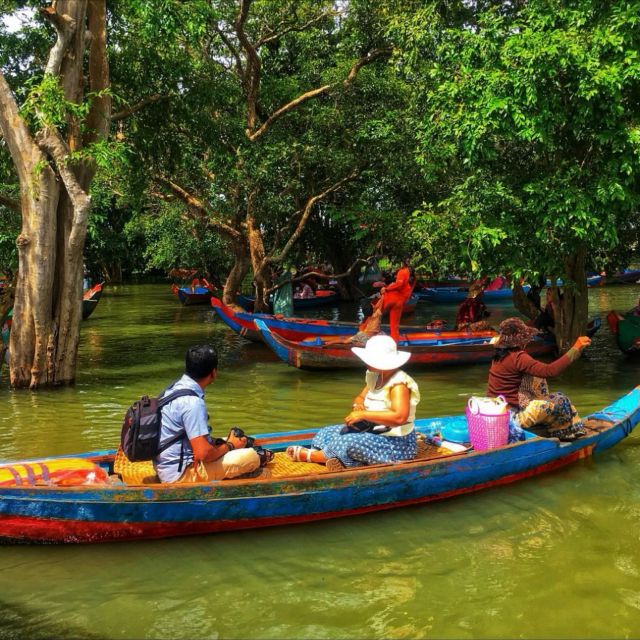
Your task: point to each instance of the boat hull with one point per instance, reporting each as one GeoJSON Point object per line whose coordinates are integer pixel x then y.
{"type": "Point", "coordinates": [450, 295]}
{"type": "Point", "coordinates": [426, 349]}
{"type": "Point", "coordinates": [90, 300]}
{"type": "Point", "coordinates": [298, 329]}
{"type": "Point", "coordinates": [328, 300]}
{"type": "Point", "coordinates": [88, 514]}
{"type": "Point", "coordinates": [190, 296]}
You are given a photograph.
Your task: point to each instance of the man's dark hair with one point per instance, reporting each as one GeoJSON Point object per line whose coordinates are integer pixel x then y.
{"type": "Point", "coordinates": [200, 361]}
{"type": "Point", "coordinates": [367, 308]}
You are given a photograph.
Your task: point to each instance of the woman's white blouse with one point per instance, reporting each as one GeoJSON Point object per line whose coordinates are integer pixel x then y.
{"type": "Point", "coordinates": [380, 399]}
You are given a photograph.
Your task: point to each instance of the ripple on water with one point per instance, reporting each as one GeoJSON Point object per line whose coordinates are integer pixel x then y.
{"type": "Point", "coordinates": [554, 556]}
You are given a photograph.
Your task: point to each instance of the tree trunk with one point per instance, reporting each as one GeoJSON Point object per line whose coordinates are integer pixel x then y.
{"type": "Point", "coordinates": [571, 307]}
{"type": "Point", "coordinates": [55, 205]}
{"type": "Point", "coordinates": [524, 304]}
{"type": "Point", "coordinates": [261, 266]}
{"type": "Point", "coordinates": [238, 271]}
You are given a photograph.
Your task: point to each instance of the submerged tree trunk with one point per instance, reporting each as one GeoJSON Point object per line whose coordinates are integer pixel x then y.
{"type": "Point", "coordinates": [523, 303]}
{"type": "Point", "coordinates": [54, 199]}
{"type": "Point", "coordinates": [571, 305]}
{"type": "Point", "coordinates": [238, 271]}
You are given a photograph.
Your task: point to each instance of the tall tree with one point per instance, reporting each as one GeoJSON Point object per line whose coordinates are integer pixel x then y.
{"type": "Point", "coordinates": [259, 137]}
{"type": "Point", "coordinates": [50, 142]}
{"type": "Point", "coordinates": [528, 121]}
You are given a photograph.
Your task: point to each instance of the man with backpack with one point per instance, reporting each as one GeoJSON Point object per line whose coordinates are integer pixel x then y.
{"type": "Point", "coordinates": [196, 456]}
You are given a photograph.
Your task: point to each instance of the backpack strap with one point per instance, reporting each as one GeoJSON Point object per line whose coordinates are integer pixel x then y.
{"type": "Point", "coordinates": [165, 401]}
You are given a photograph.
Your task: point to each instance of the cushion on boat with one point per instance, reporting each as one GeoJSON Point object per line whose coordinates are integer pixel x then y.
{"type": "Point", "coordinates": [134, 472]}
{"type": "Point", "coordinates": [63, 472]}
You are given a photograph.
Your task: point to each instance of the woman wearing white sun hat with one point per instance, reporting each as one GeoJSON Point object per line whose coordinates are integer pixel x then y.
{"type": "Point", "coordinates": [380, 427]}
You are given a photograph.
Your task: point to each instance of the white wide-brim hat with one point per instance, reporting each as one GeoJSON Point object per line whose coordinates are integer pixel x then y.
{"type": "Point", "coordinates": [381, 352]}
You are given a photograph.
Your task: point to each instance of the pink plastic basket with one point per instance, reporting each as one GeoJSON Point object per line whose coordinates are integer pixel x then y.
{"type": "Point", "coordinates": [487, 431]}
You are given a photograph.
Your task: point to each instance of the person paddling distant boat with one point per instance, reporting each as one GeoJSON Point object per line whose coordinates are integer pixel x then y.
{"type": "Point", "coordinates": [395, 296]}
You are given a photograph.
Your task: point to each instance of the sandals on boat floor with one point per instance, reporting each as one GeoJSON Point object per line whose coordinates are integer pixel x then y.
{"type": "Point", "coordinates": [300, 454]}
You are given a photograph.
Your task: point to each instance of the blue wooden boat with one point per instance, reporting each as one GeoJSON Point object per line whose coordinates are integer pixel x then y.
{"type": "Point", "coordinates": [626, 276]}
{"type": "Point", "coordinates": [454, 295]}
{"type": "Point", "coordinates": [298, 492]}
{"type": "Point", "coordinates": [592, 281]}
{"type": "Point", "coordinates": [429, 348]}
{"type": "Point", "coordinates": [198, 292]}
{"type": "Point", "coordinates": [326, 298]}
{"type": "Point", "coordinates": [243, 323]}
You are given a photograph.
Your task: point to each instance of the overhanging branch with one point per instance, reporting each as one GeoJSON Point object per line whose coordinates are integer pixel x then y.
{"type": "Point", "coordinates": [131, 109]}
{"type": "Point", "coordinates": [306, 213]}
{"type": "Point", "coordinates": [351, 76]}
{"type": "Point", "coordinates": [317, 274]}
{"type": "Point", "coordinates": [9, 203]}
{"type": "Point", "coordinates": [276, 35]}
{"type": "Point", "coordinates": [199, 207]}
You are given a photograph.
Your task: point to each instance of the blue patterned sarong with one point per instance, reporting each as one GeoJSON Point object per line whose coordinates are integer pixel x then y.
{"type": "Point", "coordinates": [359, 449]}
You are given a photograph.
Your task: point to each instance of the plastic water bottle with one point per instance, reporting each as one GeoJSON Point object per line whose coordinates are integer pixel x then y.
{"type": "Point", "coordinates": [435, 439]}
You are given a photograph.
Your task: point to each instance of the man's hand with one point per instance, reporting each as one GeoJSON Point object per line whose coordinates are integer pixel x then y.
{"type": "Point", "coordinates": [238, 443]}
{"type": "Point", "coordinates": [582, 343]}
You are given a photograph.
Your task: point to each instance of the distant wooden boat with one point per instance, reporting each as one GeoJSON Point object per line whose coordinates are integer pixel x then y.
{"type": "Point", "coordinates": [323, 298]}
{"type": "Point", "coordinates": [198, 292]}
{"type": "Point", "coordinates": [137, 508]}
{"type": "Point", "coordinates": [408, 308]}
{"type": "Point", "coordinates": [243, 323]}
{"type": "Point", "coordinates": [427, 349]}
{"type": "Point", "coordinates": [626, 331]}
{"type": "Point", "coordinates": [592, 281]}
{"type": "Point", "coordinates": [90, 299]}
{"type": "Point", "coordinates": [410, 305]}
{"type": "Point", "coordinates": [626, 276]}
{"type": "Point", "coordinates": [454, 295]}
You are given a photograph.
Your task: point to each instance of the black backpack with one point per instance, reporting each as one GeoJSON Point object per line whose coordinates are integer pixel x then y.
{"type": "Point", "coordinates": [140, 436]}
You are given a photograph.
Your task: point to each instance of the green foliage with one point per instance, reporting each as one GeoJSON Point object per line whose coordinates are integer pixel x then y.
{"type": "Point", "coordinates": [169, 242]}
{"type": "Point", "coordinates": [527, 115]}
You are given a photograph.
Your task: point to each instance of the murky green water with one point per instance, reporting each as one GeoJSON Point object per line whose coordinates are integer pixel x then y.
{"type": "Point", "coordinates": [552, 557]}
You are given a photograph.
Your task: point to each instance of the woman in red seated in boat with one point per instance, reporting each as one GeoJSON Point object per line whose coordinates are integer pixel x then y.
{"type": "Point", "coordinates": [395, 295]}
{"type": "Point", "coordinates": [472, 311]}
{"type": "Point", "coordinates": [521, 379]}
{"type": "Point", "coordinates": [380, 427]}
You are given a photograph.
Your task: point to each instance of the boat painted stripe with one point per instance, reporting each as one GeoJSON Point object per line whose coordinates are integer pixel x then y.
{"type": "Point", "coordinates": [15, 474]}
{"type": "Point", "coordinates": [56, 530]}
{"type": "Point", "coordinates": [30, 475]}
{"type": "Point", "coordinates": [45, 472]}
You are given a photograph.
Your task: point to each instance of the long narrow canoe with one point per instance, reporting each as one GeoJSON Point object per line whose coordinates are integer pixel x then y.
{"type": "Point", "coordinates": [90, 300]}
{"type": "Point", "coordinates": [449, 295]}
{"type": "Point", "coordinates": [324, 298]}
{"type": "Point", "coordinates": [294, 492]}
{"type": "Point", "coordinates": [297, 329]}
{"type": "Point", "coordinates": [626, 276]}
{"type": "Point", "coordinates": [193, 295]}
{"type": "Point", "coordinates": [427, 349]}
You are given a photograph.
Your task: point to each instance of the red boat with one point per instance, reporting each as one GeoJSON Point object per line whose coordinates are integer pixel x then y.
{"type": "Point", "coordinates": [296, 329]}
{"type": "Point", "coordinates": [198, 292]}
{"type": "Point", "coordinates": [90, 299]}
{"type": "Point", "coordinates": [427, 348]}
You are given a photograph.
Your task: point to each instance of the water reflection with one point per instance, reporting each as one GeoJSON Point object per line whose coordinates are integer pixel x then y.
{"type": "Point", "coordinates": [555, 556]}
